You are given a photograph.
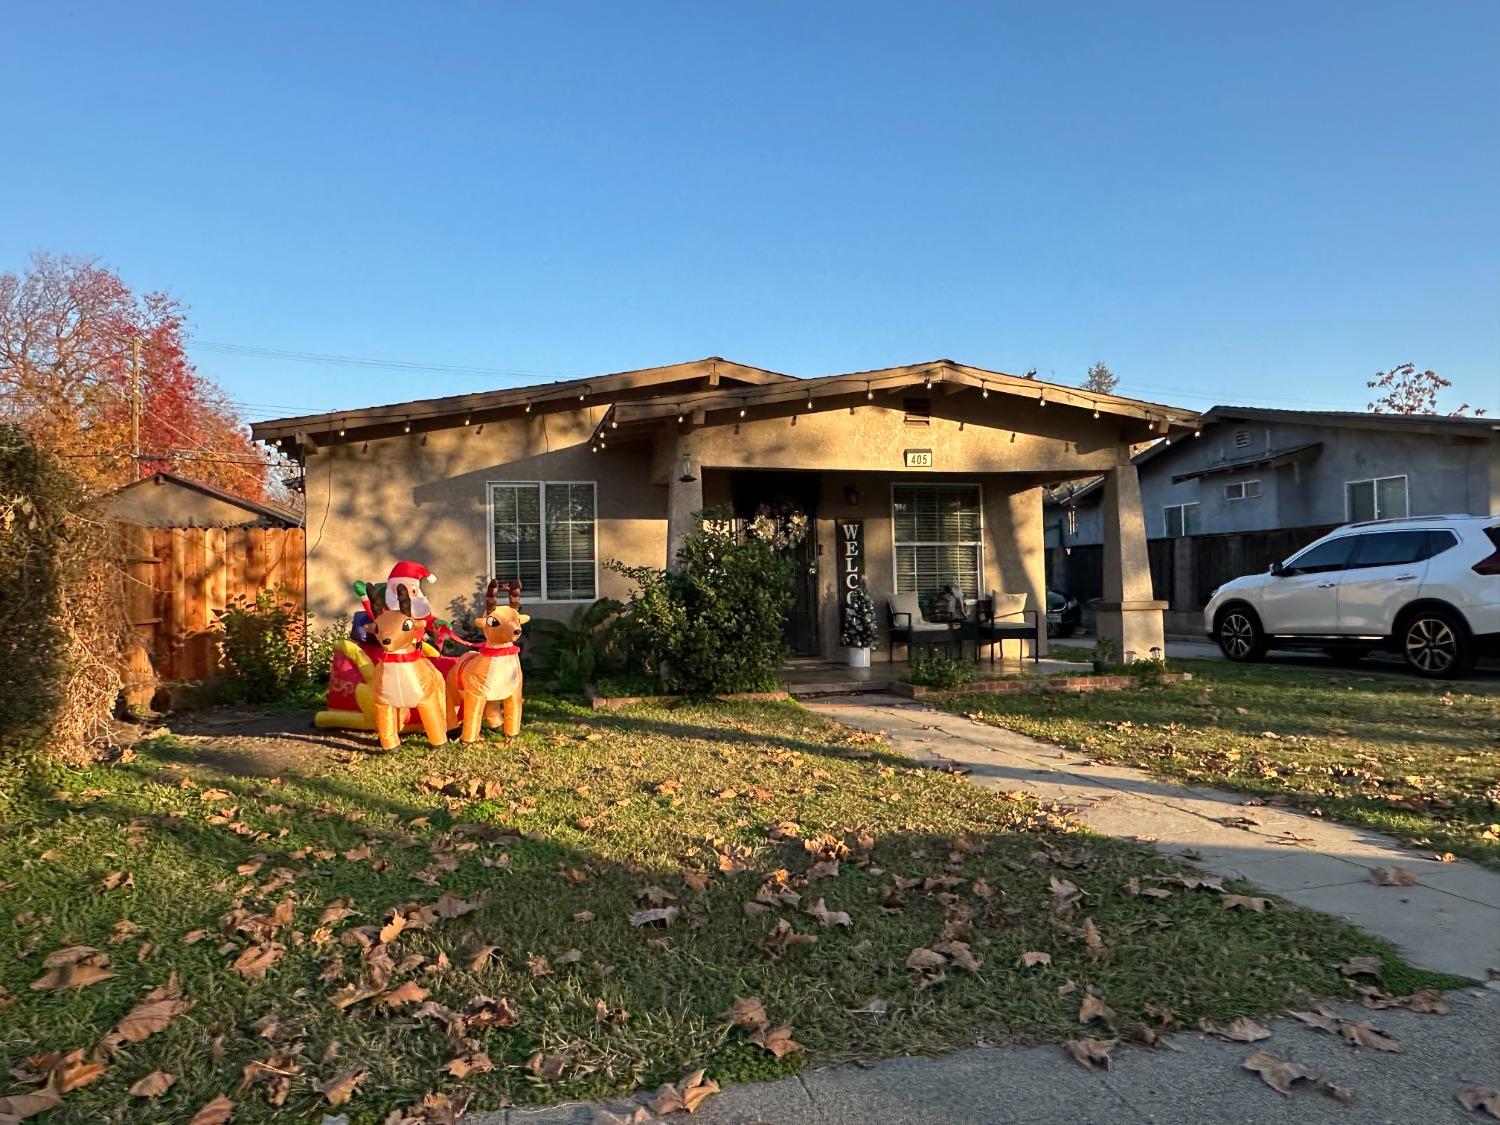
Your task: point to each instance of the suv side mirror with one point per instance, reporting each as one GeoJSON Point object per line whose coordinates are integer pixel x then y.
{"type": "Point", "coordinates": [1277, 569]}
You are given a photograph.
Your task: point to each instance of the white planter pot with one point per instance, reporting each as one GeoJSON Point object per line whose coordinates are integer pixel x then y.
{"type": "Point", "coordinates": [859, 657]}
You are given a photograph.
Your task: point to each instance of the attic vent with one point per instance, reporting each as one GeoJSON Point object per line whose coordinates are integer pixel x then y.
{"type": "Point", "coordinates": [1241, 439]}
{"type": "Point", "coordinates": [918, 411]}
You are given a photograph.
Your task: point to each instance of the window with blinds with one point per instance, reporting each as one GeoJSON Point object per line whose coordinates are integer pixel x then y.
{"type": "Point", "coordinates": [544, 534]}
{"type": "Point", "coordinates": [937, 532]}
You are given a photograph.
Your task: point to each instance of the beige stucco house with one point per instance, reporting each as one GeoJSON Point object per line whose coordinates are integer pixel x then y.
{"type": "Point", "coordinates": [936, 470]}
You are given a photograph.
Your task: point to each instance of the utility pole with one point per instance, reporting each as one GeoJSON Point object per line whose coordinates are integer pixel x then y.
{"type": "Point", "coordinates": [135, 407]}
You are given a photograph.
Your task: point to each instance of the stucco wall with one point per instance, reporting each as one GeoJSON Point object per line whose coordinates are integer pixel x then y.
{"type": "Point", "coordinates": [423, 497]}
{"type": "Point", "coordinates": [1444, 475]}
{"type": "Point", "coordinates": [154, 503]}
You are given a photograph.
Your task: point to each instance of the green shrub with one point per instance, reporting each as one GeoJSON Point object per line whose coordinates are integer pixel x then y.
{"type": "Point", "coordinates": [1148, 671]}
{"type": "Point", "coordinates": [261, 642]}
{"type": "Point", "coordinates": [321, 644]}
{"type": "Point", "coordinates": [938, 670]}
{"type": "Point", "coordinates": [569, 654]}
{"type": "Point", "coordinates": [714, 624]}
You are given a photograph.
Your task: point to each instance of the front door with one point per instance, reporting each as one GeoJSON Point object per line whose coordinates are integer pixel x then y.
{"type": "Point", "coordinates": [783, 496]}
{"type": "Point", "coordinates": [1304, 597]}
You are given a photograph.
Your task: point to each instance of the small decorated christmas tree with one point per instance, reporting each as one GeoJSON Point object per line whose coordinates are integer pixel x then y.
{"type": "Point", "coordinates": [859, 620]}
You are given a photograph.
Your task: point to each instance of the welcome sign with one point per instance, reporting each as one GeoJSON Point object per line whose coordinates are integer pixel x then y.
{"type": "Point", "coordinates": [851, 543]}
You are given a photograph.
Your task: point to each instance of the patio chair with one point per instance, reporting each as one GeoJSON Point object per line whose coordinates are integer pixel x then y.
{"type": "Point", "coordinates": [908, 626]}
{"type": "Point", "coordinates": [1004, 617]}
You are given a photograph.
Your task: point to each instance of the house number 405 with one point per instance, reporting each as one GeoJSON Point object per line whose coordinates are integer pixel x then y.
{"type": "Point", "coordinates": [919, 458]}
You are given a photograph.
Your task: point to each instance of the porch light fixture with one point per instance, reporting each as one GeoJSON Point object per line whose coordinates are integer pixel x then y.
{"type": "Point", "coordinates": [407, 428]}
{"type": "Point", "coordinates": [686, 475]}
{"type": "Point", "coordinates": [869, 394]}
{"type": "Point", "coordinates": [984, 389]}
{"type": "Point", "coordinates": [927, 382]}
{"type": "Point", "coordinates": [528, 408]}
{"type": "Point", "coordinates": [809, 402]}
{"type": "Point", "coordinates": [341, 431]}
{"type": "Point", "coordinates": [742, 411]}
{"type": "Point", "coordinates": [1096, 410]}
{"type": "Point", "coordinates": [1041, 398]}
{"type": "Point", "coordinates": [467, 419]}
{"type": "Point", "coordinates": [1196, 433]}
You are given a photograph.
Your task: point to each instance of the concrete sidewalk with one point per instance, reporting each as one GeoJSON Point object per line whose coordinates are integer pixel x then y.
{"type": "Point", "coordinates": [1450, 921]}
{"type": "Point", "coordinates": [1202, 1080]}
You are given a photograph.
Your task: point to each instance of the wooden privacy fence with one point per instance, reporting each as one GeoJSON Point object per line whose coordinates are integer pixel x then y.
{"type": "Point", "coordinates": [178, 580]}
{"type": "Point", "coordinates": [1199, 563]}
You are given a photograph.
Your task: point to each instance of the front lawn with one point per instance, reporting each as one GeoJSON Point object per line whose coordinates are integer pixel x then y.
{"type": "Point", "coordinates": [572, 913]}
{"type": "Point", "coordinates": [1409, 757]}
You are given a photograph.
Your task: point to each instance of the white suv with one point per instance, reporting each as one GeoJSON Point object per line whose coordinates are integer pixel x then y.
{"type": "Point", "coordinates": [1428, 588]}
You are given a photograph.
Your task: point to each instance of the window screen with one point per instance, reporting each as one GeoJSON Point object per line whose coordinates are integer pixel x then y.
{"type": "Point", "coordinates": [937, 535]}
{"type": "Point", "coordinates": [543, 534]}
{"type": "Point", "coordinates": [1383, 498]}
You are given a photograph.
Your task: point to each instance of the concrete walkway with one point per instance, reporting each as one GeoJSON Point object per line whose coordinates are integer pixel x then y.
{"type": "Point", "coordinates": [1450, 921]}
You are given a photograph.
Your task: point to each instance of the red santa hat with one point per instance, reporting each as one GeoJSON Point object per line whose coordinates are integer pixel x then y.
{"type": "Point", "coordinates": [412, 571]}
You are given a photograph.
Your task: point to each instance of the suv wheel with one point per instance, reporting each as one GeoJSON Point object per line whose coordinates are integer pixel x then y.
{"type": "Point", "coordinates": [1437, 645]}
{"type": "Point", "coordinates": [1240, 635]}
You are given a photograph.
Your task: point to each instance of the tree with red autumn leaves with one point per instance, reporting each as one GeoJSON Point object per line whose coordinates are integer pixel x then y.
{"type": "Point", "coordinates": [1405, 390]}
{"type": "Point", "coordinates": [68, 336]}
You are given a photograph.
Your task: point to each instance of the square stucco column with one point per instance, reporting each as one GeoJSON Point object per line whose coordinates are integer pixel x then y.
{"type": "Point", "coordinates": [1128, 614]}
{"type": "Point", "coordinates": [684, 497]}
{"type": "Point", "coordinates": [1017, 542]}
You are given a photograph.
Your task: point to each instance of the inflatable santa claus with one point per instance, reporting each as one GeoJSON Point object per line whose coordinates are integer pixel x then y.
{"type": "Point", "coordinates": [409, 576]}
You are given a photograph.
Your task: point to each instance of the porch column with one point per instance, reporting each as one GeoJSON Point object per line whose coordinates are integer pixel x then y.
{"type": "Point", "coordinates": [684, 496]}
{"type": "Point", "coordinates": [1019, 540]}
{"type": "Point", "coordinates": [1128, 614]}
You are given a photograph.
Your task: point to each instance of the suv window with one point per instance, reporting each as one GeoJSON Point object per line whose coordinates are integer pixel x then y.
{"type": "Point", "coordinates": [1390, 548]}
{"type": "Point", "coordinates": [1332, 555]}
{"type": "Point", "coordinates": [1438, 542]}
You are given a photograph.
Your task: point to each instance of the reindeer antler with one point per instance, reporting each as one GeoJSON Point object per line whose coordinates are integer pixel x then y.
{"type": "Point", "coordinates": [513, 594]}
{"type": "Point", "coordinates": [403, 599]}
{"type": "Point", "coordinates": [492, 595]}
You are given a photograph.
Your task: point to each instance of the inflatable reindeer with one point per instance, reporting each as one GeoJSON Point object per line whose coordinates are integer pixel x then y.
{"type": "Point", "coordinates": [405, 679]}
{"type": "Point", "coordinates": [486, 683]}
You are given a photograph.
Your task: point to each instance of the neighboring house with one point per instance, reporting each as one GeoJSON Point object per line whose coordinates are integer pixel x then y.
{"type": "Point", "coordinates": [936, 470]}
{"type": "Point", "coordinates": [1253, 469]}
{"type": "Point", "coordinates": [167, 500]}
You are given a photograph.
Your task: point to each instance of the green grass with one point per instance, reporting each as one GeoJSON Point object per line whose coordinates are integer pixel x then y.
{"type": "Point", "coordinates": [1416, 759]}
{"type": "Point", "coordinates": [583, 813]}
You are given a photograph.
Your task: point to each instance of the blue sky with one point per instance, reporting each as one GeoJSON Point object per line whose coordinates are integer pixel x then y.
{"type": "Point", "coordinates": [1254, 203]}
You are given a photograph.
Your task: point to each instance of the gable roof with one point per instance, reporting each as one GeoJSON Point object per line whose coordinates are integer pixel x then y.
{"type": "Point", "coordinates": [276, 513]}
{"type": "Point", "coordinates": [337, 426]}
{"type": "Point", "coordinates": [1408, 423]}
{"type": "Point", "coordinates": [641, 417]}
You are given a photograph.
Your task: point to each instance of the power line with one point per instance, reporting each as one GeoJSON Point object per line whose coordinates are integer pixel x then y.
{"type": "Point", "coordinates": [257, 352]}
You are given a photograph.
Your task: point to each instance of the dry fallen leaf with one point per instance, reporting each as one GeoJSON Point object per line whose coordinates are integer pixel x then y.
{"type": "Point", "coordinates": [1393, 877]}
{"type": "Point", "coordinates": [160, 1007]}
{"type": "Point", "coordinates": [1239, 1030]}
{"type": "Point", "coordinates": [663, 914]}
{"type": "Point", "coordinates": [820, 911]}
{"type": "Point", "coordinates": [1244, 902]}
{"type": "Point", "coordinates": [154, 1085]}
{"type": "Point", "coordinates": [216, 1112]}
{"type": "Point", "coordinates": [1473, 1098]}
{"type": "Point", "coordinates": [548, 1068]}
{"type": "Point", "coordinates": [81, 975]}
{"type": "Point", "coordinates": [685, 1096]}
{"type": "Point", "coordinates": [1032, 958]}
{"type": "Point", "coordinates": [18, 1107]}
{"type": "Point", "coordinates": [1366, 966]}
{"type": "Point", "coordinates": [253, 963]}
{"type": "Point", "coordinates": [1091, 1053]}
{"type": "Point", "coordinates": [1093, 1008]}
{"type": "Point", "coordinates": [1361, 1034]}
{"type": "Point", "coordinates": [923, 958]}
{"type": "Point", "coordinates": [340, 1089]}
{"type": "Point", "coordinates": [778, 1040]}
{"type": "Point", "coordinates": [749, 1012]}
{"type": "Point", "coordinates": [1279, 1074]}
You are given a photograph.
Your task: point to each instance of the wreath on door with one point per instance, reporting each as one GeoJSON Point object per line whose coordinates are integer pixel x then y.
{"type": "Point", "coordinates": [780, 524]}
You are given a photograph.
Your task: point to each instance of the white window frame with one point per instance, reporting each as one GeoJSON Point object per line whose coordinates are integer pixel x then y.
{"type": "Point", "coordinates": [918, 482]}
{"type": "Point", "coordinates": [1374, 483]}
{"type": "Point", "coordinates": [1166, 532]}
{"type": "Point", "coordinates": [541, 487]}
{"type": "Point", "coordinates": [1243, 486]}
